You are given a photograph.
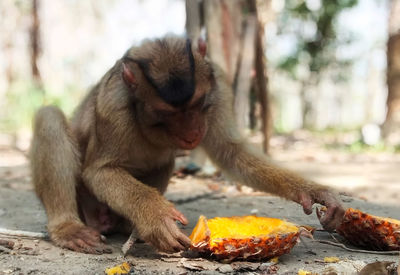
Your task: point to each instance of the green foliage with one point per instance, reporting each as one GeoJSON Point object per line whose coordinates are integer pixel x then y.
{"type": "Point", "coordinates": [23, 99]}
{"type": "Point", "coordinates": [359, 146]}
{"type": "Point", "coordinates": [316, 47]}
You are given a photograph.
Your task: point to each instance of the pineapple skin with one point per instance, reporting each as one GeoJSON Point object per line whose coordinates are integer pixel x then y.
{"type": "Point", "coordinates": [255, 248]}
{"type": "Point", "coordinates": [362, 229]}
{"type": "Point", "coordinates": [251, 248]}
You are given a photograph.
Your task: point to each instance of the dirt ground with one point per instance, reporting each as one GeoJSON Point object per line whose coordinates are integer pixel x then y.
{"type": "Point", "coordinates": [373, 180]}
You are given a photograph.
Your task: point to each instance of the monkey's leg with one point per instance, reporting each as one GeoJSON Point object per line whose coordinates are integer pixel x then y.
{"type": "Point", "coordinates": [56, 167]}
{"type": "Point", "coordinates": [98, 215]}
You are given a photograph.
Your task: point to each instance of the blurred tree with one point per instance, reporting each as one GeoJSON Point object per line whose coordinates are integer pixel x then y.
{"type": "Point", "coordinates": [264, 15]}
{"type": "Point", "coordinates": [312, 23]}
{"type": "Point", "coordinates": [234, 31]}
{"type": "Point", "coordinates": [391, 126]}
{"type": "Point", "coordinates": [235, 36]}
{"type": "Point", "coordinates": [35, 44]}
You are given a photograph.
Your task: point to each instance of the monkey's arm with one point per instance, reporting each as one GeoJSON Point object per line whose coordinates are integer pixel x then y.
{"type": "Point", "coordinates": [150, 213]}
{"type": "Point", "coordinates": [226, 148]}
{"type": "Point", "coordinates": [254, 170]}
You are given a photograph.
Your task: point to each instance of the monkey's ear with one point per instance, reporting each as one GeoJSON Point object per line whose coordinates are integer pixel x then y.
{"type": "Point", "coordinates": [128, 76]}
{"type": "Point", "coordinates": [202, 47]}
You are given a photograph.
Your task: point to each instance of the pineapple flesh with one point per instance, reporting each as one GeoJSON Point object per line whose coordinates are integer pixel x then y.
{"type": "Point", "coordinates": [247, 237]}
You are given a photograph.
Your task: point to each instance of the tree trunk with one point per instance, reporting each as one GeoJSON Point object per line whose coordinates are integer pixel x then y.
{"type": "Point", "coordinates": [223, 22]}
{"type": "Point", "coordinates": [391, 127]}
{"type": "Point", "coordinates": [261, 70]}
{"type": "Point", "coordinates": [193, 19]}
{"type": "Point", "coordinates": [193, 30]}
{"type": "Point", "coordinates": [35, 44]}
{"type": "Point", "coordinates": [244, 76]}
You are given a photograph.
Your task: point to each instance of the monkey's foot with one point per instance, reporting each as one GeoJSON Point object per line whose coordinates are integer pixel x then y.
{"type": "Point", "coordinates": [79, 238]}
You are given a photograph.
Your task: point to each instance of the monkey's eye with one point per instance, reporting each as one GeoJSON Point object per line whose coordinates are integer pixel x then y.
{"type": "Point", "coordinates": [158, 124]}
{"type": "Point", "coordinates": [206, 107]}
{"type": "Point", "coordinates": [165, 113]}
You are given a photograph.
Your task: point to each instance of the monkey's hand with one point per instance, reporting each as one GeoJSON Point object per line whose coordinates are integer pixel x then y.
{"type": "Point", "coordinates": [78, 237]}
{"type": "Point", "coordinates": [333, 215]}
{"type": "Point", "coordinates": [158, 227]}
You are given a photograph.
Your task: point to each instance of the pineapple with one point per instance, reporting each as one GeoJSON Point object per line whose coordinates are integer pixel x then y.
{"type": "Point", "coordinates": [247, 237]}
{"type": "Point", "coordinates": [362, 229]}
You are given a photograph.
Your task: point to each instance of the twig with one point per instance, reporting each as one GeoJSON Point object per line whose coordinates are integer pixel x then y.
{"type": "Point", "coordinates": [128, 245]}
{"type": "Point", "coordinates": [23, 233]}
{"type": "Point", "coordinates": [5, 249]}
{"type": "Point", "coordinates": [7, 243]}
{"type": "Point", "coordinates": [357, 250]}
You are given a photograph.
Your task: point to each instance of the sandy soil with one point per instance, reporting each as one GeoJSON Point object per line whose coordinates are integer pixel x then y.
{"type": "Point", "coordinates": [373, 178]}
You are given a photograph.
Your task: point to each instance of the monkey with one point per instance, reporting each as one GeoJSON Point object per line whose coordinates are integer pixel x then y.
{"type": "Point", "coordinates": [105, 170]}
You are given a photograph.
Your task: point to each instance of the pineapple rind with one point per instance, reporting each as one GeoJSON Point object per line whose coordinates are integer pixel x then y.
{"type": "Point", "coordinates": [362, 229]}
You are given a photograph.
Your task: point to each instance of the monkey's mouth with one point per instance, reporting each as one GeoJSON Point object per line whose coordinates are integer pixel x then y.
{"type": "Point", "coordinates": [187, 144]}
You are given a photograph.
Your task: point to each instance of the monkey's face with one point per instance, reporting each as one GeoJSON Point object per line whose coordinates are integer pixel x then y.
{"type": "Point", "coordinates": [183, 128]}
{"type": "Point", "coordinates": [171, 87]}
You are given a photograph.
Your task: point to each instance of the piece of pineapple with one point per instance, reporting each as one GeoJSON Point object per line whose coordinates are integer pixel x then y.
{"type": "Point", "coordinates": [362, 229]}
{"type": "Point", "coordinates": [247, 237]}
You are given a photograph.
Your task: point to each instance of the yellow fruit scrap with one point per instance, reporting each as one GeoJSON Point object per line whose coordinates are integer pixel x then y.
{"type": "Point", "coordinates": [200, 232]}
{"type": "Point", "coordinates": [247, 237]}
{"type": "Point", "coordinates": [275, 260]}
{"type": "Point", "coordinates": [331, 260]}
{"type": "Point", "coordinates": [304, 272]}
{"type": "Point", "coordinates": [123, 268]}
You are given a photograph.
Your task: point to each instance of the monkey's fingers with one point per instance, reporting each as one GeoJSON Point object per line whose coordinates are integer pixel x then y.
{"type": "Point", "coordinates": [184, 240]}
{"type": "Point", "coordinates": [330, 218]}
{"type": "Point", "coordinates": [178, 216]}
{"type": "Point", "coordinates": [181, 238]}
{"type": "Point", "coordinates": [174, 239]}
{"type": "Point", "coordinates": [179, 235]}
{"type": "Point", "coordinates": [306, 202]}
{"type": "Point", "coordinates": [167, 243]}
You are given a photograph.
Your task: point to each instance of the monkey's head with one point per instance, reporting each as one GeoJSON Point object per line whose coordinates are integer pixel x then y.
{"type": "Point", "coordinates": [171, 85]}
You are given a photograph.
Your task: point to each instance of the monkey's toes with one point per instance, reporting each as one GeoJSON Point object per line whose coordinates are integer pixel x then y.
{"type": "Point", "coordinates": [79, 238]}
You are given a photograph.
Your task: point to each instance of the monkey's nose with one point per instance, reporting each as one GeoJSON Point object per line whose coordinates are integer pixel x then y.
{"type": "Point", "coordinates": [190, 140]}
{"type": "Point", "coordinates": [191, 137]}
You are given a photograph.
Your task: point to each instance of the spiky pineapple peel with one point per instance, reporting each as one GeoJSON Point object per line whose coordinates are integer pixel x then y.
{"type": "Point", "coordinates": [363, 229]}
{"type": "Point", "coordinates": [247, 237]}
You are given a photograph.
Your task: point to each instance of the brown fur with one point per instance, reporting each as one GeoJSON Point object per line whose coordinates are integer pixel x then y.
{"type": "Point", "coordinates": [110, 165]}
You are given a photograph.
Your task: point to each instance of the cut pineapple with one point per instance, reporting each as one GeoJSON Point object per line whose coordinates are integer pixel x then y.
{"type": "Point", "coordinates": [247, 237]}
{"type": "Point", "coordinates": [362, 229]}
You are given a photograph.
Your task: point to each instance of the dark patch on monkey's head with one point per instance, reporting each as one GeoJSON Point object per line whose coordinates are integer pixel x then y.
{"type": "Point", "coordinates": [169, 67]}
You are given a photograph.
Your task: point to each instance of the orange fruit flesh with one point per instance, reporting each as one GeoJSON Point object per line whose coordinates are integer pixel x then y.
{"type": "Point", "coordinates": [246, 227]}
{"type": "Point", "coordinates": [200, 232]}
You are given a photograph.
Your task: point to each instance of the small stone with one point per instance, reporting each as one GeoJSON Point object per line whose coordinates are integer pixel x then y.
{"type": "Point", "coordinates": [265, 266]}
{"type": "Point", "coordinates": [226, 268]}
